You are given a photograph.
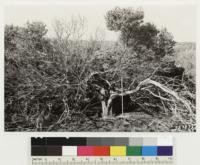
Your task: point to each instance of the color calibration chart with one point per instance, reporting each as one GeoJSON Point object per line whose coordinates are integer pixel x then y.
{"type": "Point", "coordinates": [102, 151]}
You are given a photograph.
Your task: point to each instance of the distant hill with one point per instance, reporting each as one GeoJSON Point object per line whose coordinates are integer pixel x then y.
{"type": "Point", "coordinates": [185, 56]}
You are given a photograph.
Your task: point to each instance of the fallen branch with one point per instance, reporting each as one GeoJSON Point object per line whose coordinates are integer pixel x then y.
{"type": "Point", "coordinates": [165, 89]}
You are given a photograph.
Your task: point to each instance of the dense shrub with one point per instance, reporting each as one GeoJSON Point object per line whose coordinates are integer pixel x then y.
{"type": "Point", "coordinates": [49, 75]}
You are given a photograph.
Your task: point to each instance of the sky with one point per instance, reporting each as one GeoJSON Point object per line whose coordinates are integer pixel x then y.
{"type": "Point", "coordinates": [180, 20]}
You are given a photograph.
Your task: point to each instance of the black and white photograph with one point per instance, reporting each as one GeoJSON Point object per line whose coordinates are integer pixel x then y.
{"type": "Point", "coordinates": [100, 68]}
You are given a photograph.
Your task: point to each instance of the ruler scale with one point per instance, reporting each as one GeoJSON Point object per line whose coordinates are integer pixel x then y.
{"type": "Point", "coordinates": [100, 160]}
{"type": "Point", "coordinates": [102, 151]}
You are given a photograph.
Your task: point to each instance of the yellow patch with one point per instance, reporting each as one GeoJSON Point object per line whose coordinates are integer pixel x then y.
{"type": "Point", "coordinates": [117, 150]}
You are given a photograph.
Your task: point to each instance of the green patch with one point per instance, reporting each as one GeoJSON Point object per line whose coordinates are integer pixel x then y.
{"type": "Point", "coordinates": [133, 150]}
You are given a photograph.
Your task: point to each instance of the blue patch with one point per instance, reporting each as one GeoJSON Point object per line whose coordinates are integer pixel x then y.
{"type": "Point", "coordinates": [149, 151]}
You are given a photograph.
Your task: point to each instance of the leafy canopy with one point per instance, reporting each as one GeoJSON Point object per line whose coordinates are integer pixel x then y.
{"type": "Point", "coordinates": [138, 35]}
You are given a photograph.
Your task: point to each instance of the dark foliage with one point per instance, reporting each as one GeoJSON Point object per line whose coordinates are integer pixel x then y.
{"type": "Point", "coordinates": [138, 35]}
